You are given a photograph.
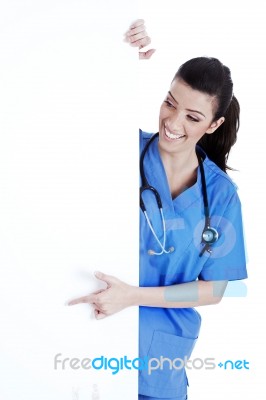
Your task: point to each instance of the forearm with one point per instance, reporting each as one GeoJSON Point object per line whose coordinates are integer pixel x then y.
{"type": "Point", "coordinates": [184, 295]}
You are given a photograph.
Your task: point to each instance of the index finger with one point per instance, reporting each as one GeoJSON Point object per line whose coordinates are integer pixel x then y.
{"type": "Point", "coordinates": [137, 23]}
{"type": "Point", "coordinates": [84, 299]}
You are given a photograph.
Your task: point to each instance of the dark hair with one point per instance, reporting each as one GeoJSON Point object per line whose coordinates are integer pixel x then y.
{"type": "Point", "coordinates": [210, 76]}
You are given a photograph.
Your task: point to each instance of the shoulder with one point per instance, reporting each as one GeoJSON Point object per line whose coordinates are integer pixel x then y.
{"type": "Point", "coordinates": [143, 138]}
{"type": "Point", "coordinates": [145, 135]}
{"type": "Point", "coordinates": [222, 190]}
{"type": "Point", "coordinates": [220, 185]}
{"type": "Point", "coordinates": [219, 176]}
{"type": "Point", "coordinates": [214, 174]}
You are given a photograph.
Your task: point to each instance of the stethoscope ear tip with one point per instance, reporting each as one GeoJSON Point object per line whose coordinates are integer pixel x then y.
{"type": "Point", "coordinates": [153, 253]}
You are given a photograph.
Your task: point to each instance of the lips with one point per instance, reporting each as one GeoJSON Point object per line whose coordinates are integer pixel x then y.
{"type": "Point", "coordinates": [172, 136]}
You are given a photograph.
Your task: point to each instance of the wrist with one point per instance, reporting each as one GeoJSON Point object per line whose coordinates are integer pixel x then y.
{"type": "Point", "coordinates": [134, 295]}
{"type": "Point", "coordinates": [147, 296]}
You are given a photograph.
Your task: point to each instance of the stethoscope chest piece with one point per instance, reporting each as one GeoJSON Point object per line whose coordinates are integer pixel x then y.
{"type": "Point", "coordinates": [210, 235]}
{"type": "Point", "coordinates": [208, 238]}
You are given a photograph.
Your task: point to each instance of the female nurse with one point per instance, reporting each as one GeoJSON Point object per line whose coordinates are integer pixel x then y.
{"type": "Point", "coordinates": [181, 266]}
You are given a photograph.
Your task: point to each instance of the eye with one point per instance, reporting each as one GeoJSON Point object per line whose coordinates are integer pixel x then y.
{"type": "Point", "coordinates": [192, 118]}
{"type": "Point", "coordinates": [169, 104]}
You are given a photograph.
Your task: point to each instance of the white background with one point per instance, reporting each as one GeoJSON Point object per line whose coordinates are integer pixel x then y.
{"type": "Point", "coordinates": [233, 32]}
{"type": "Point", "coordinates": [68, 190]}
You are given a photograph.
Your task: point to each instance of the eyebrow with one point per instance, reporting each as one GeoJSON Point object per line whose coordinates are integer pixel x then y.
{"type": "Point", "coordinates": [187, 108]}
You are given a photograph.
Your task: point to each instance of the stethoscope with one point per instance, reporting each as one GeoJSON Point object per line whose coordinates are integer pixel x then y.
{"type": "Point", "coordinates": [209, 235]}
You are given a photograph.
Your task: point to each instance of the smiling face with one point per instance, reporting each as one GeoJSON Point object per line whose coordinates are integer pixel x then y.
{"type": "Point", "coordinates": [185, 116]}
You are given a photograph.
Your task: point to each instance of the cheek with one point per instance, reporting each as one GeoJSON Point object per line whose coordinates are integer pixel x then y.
{"type": "Point", "coordinates": [163, 113]}
{"type": "Point", "coordinates": [196, 131]}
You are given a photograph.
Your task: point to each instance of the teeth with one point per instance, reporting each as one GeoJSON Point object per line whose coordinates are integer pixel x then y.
{"type": "Point", "coordinates": [172, 136]}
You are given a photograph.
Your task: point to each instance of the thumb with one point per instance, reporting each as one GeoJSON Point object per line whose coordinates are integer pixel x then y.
{"type": "Point", "coordinates": [104, 277]}
{"type": "Point", "coordinates": [145, 55]}
{"type": "Point", "coordinates": [99, 315]}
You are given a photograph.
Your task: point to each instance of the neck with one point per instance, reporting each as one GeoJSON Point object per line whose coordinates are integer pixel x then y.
{"type": "Point", "coordinates": [180, 168]}
{"type": "Point", "coordinates": [178, 162]}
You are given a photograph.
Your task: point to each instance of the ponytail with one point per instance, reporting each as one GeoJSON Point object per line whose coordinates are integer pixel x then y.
{"type": "Point", "coordinates": [208, 75]}
{"type": "Point", "coordinates": [217, 145]}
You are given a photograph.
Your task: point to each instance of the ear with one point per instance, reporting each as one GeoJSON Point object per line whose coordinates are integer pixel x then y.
{"type": "Point", "coordinates": [215, 125]}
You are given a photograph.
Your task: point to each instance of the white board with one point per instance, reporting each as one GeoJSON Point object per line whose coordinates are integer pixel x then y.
{"type": "Point", "coordinates": [68, 193]}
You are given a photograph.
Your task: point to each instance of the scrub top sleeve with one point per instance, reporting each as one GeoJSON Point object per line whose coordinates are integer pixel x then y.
{"type": "Point", "coordinates": [228, 258]}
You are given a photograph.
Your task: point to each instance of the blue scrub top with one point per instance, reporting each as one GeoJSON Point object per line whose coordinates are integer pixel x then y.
{"type": "Point", "coordinates": [172, 332]}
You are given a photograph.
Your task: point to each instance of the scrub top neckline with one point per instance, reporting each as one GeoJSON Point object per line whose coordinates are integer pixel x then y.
{"type": "Point", "coordinates": [184, 200]}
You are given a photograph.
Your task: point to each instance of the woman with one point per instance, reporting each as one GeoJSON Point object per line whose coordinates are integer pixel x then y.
{"type": "Point", "coordinates": [192, 245]}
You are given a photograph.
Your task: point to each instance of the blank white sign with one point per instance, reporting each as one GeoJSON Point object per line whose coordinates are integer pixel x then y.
{"type": "Point", "coordinates": [68, 194]}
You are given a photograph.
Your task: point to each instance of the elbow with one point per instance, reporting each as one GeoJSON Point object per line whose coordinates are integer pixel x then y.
{"type": "Point", "coordinates": [216, 291]}
{"type": "Point", "coordinates": [210, 301]}
{"type": "Point", "coordinates": [217, 300]}
{"type": "Point", "coordinates": [219, 292]}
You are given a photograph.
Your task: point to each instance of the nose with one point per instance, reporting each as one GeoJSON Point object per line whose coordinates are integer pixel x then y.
{"type": "Point", "coordinates": [175, 123]}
